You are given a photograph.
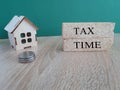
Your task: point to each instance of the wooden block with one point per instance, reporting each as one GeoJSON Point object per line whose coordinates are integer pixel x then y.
{"type": "Point", "coordinates": [90, 29]}
{"type": "Point", "coordinates": [87, 44]}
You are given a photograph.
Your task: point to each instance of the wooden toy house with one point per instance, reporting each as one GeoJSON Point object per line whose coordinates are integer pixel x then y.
{"type": "Point", "coordinates": [21, 33]}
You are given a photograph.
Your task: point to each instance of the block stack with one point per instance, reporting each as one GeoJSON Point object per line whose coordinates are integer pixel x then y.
{"type": "Point", "coordinates": [91, 36]}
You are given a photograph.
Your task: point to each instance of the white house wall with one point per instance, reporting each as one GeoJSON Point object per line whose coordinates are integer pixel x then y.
{"type": "Point", "coordinates": [11, 39]}
{"type": "Point", "coordinates": [25, 27]}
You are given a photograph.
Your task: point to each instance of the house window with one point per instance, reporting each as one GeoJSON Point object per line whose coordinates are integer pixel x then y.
{"type": "Point", "coordinates": [22, 35]}
{"type": "Point", "coordinates": [29, 34]}
{"type": "Point", "coordinates": [29, 40]}
{"type": "Point", "coordinates": [23, 41]}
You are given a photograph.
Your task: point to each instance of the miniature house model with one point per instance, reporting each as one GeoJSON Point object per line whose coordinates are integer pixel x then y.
{"type": "Point", "coordinates": [21, 33]}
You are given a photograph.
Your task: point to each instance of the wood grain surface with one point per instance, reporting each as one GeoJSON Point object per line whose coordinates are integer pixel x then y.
{"type": "Point", "coordinates": [54, 69]}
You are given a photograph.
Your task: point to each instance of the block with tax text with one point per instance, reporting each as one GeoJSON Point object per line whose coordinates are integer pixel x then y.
{"type": "Point", "coordinates": [89, 36]}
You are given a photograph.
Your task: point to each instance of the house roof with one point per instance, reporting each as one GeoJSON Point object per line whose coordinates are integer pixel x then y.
{"type": "Point", "coordinates": [15, 22]}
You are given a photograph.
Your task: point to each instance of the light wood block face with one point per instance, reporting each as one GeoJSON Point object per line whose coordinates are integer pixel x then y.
{"type": "Point", "coordinates": [88, 36]}
{"type": "Point", "coordinates": [87, 30]}
{"type": "Point", "coordinates": [87, 44]}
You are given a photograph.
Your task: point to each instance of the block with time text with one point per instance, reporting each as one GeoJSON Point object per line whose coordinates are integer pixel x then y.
{"type": "Point", "coordinates": [87, 44]}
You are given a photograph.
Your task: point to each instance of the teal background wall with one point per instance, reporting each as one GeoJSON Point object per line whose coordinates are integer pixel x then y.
{"type": "Point", "coordinates": [48, 15]}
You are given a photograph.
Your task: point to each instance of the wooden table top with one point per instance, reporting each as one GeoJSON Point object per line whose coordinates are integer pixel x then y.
{"type": "Point", "coordinates": [54, 69]}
